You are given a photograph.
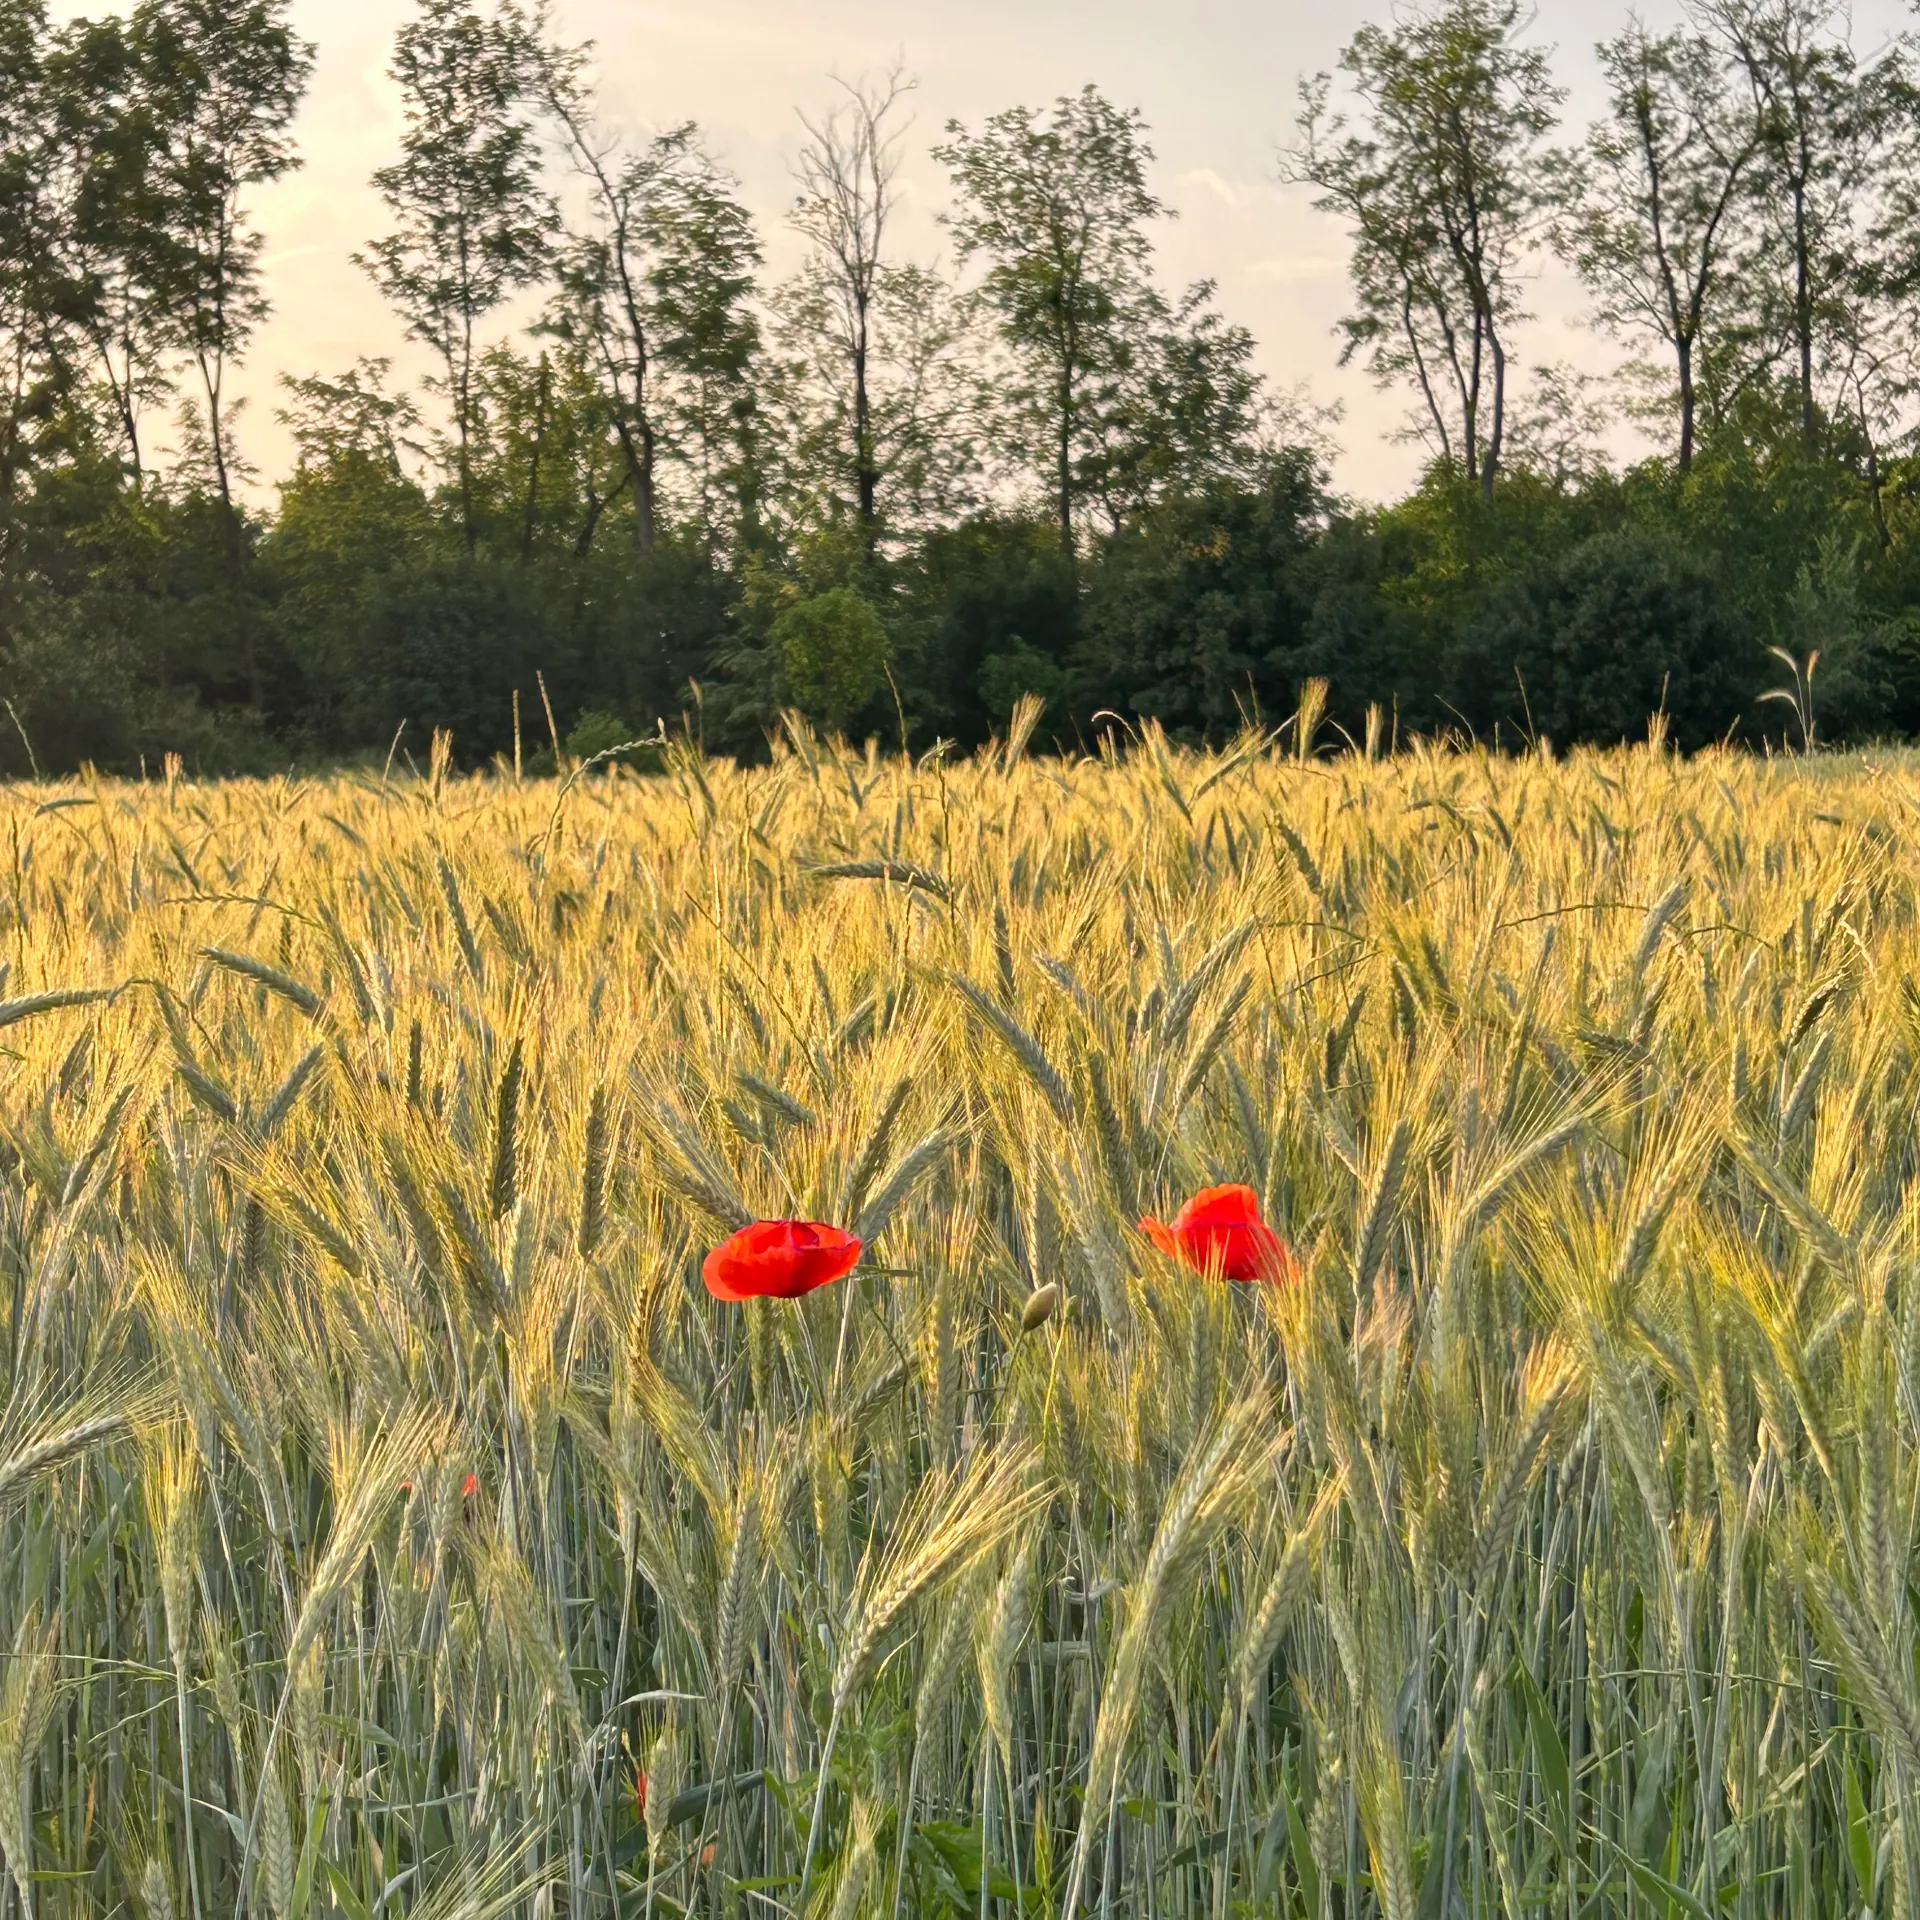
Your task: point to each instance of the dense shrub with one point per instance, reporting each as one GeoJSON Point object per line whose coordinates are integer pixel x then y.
{"type": "Point", "coordinates": [1196, 614]}
{"type": "Point", "coordinates": [1585, 645]}
{"type": "Point", "coordinates": [832, 652]}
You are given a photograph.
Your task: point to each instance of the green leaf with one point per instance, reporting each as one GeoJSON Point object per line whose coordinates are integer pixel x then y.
{"type": "Point", "coordinates": [688, 1804]}
{"type": "Point", "coordinates": [349, 1901]}
{"type": "Point", "coordinates": [961, 1850]}
{"type": "Point", "coordinates": [1204, 1848]}
{"type": "Point", "coordinates": [1650, 1821]}
{"type": "Point", "coordinates": [1266, 1864]}
{"type": "Point", "coordinates": [1657, 1887]}
{"type": "Point", "coordinates": [1304, 1869]}
{"type": "Point", "coordinates": [310, 1853]}
{"type": "Point", "coordinates": [1551, 1751]}
{"type": "Point", "coordinates": [1860, 1848]}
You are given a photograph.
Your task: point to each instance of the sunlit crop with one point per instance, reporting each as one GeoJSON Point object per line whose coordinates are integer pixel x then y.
{"type": "Point", "coordinates": [394, 1522]}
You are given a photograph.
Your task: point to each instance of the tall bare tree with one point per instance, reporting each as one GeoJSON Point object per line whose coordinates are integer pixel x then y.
{"type": "Point", "coordinates": [1816, 118]}
{"type": "Point", "coordinates": [472, 216]}
{"type": "Point", "coordinates": [1058, 209]}
{"type": "Point", "coordinates": [1656, 221]}
{"type": "Point", "coordinates": [846, 171]}
{"type": "Point", "coordinates": [221, 84]}
{"type": "Point", "coordinates": [1446, 189]}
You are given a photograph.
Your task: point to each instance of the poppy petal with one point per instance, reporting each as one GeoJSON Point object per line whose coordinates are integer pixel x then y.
{"type": "Point", "coordinates": [1162, 1236]}
{"type": "Point", "coordinates": [779, 1260]}
{"type": "Point", "coordinates": [1279, 1269]}
{"type": "Point", "coordinates": [1228, 1206]}
{"type": "Point", "coordinates": [1219, 1233]}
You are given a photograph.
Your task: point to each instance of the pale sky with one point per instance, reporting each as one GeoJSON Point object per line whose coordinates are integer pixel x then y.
{"type": "Point", "coordinates": [1215, 79]}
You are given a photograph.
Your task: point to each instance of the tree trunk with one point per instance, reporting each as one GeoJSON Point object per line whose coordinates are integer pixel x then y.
{"type": "Point", "coordinates": [130, 425]}
{"type": "Point", "coordinates": [13, 460]}
{"type": "Point", "coordinates": [1875, 494]}
{"type": "Point", "coordinates": [637, 449]}
{"type": "Point", "coordinates": [122, 391]}
{"type": "Point", "coordinates": [597, 504]}
{"type": "Point", "coordinates": [460, 370]}
{"type": "Point", "coordinates": [1064, 477]}
{"type": "Point", "coordinates": [645, 514]}
{"type": "Point", "coordinates": [9, 457]}
{"type": "Point", "coordinates": [642, 458]}
{"type": "Point", "coordinates": [1471, 440]}
{"type": "Point", "coordinates": [865, 472]}
{"type": "Point", "coordinates": [1497, 429]}
{"type": "Point", "coordinates": [466, 485]}
{"type": "Point", "coordinates": [230, 533]}
{"type": "Point", "coordinates": [1439, 419]}
{"type": "Point", "coordinates": [530, 516]}
{"type": "Point", "coordinates": [1683, 351]}
{"type": "Point", "coordinates": [1803, 311]}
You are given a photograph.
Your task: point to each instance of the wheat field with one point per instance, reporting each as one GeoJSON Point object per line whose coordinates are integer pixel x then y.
{"type": "Point", "coordinates": [384, 1499]}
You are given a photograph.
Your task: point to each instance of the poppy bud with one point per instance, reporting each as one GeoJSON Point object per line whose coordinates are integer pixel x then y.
{"type": "Point", "coordinates": [1040, 1305]}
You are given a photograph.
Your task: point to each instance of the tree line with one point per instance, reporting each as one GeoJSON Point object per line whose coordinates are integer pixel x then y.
{"type": "Point", "coordinates": [898, 494]}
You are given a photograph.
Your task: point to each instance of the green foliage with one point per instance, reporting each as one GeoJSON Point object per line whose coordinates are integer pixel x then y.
{"type": "Point", "coordinates": [702, 278]}
{"type": "Point", "coordinates": [219, 84]}
{"type": "Point", "coordinates": [445, 642]}
{"type": "Point", "coordinates": [1587, 642]}
{"type": "Point", "coordinates": [653, 293]}
{"type": "Point", "coordinates": [1657, 210]}
{"type": "Point", "coordinates": [344, 527]}
{"type": "Point", "coordinates": [1118, 393]}
{"type": "Point", "coordinates": [596, 732]}
{"type": "Point", "coordinates": [833, 653]}
{"type": "Point", "coordinates": [471, 216]}
{"type": "Point", "coordinates": [1059, 210]}
{"type": "Point", "coordinates": [991, 589]}
{"type": "Point", "coordinates": [1196, 614]}
{"type": "Point", "coordinates": [1020, 669]}
{"type": "Point", "coordinates": [896, 499]}
{"type": "Point", "coordinates": [1442, 188]}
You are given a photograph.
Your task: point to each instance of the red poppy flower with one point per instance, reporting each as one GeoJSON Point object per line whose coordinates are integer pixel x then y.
{"type": "Point", "coordinates": [1219, 1232]}
{"type": "Point", "coordinates": [779, 1260]}
{"type": "Point", "coordinates": [471, 1485]}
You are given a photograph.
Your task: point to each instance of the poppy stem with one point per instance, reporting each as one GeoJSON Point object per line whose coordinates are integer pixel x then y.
{"type": "Point", "coordinates": [1241, 1714]}
{"type": "Point", "coordinates": [819, 1809]}
{"type": "Point", "coordinates": [840, 1345]}
{"type": "Point", "coordinates": [804, 1320]}
{"type": "Point", "coordinates": [987, 1752]}
{"type": "Point", "coordinates": [906, 1826]}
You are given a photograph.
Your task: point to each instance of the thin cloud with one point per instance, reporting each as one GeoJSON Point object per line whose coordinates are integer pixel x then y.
{"type": "Point", "coordinates": [1296, 270]}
